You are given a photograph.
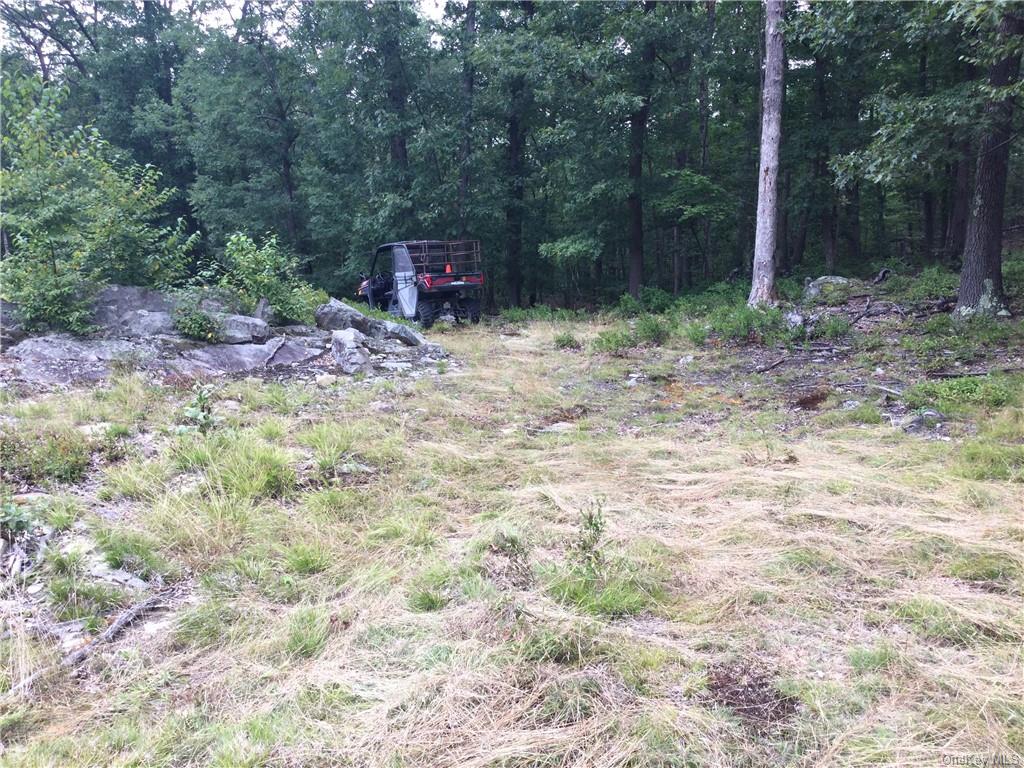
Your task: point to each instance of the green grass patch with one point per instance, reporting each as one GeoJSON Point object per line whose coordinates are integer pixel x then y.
{"type": "Point", "coordinates": [306, 558]}
{"type": "Point", "coordinates": [958, 395]}
{"type": "Point", "coordinates": [39, 455]}
{"type": "Point", "coordinates": [131, 552]}
{"type": "Point", "coordinates": [307, 632]}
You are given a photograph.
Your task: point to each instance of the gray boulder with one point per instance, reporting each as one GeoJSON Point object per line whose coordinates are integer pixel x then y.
{"type": "Point", "coordinates": [336, 315]}
{"type": "Point", "coordinates": [11, 329]}
{"type": "Point", "coordinates": [348, 346]}
{"type": "Point", "coordinates": [263, 310]}
{"type": "Point", "coordinates": [115, 301]}
{"type": "Point", "coordinates": [236, 358]}
{"type": "Point", "coordinates": [60, 358]}
{"type": "Point", "coordinates": [403, 333]}
{"type": "Point", "coordinates": [241, 329]}
{"type": "Point", "coordinates": [813, 289]}
{"type": "Point", "coordinates": [142, 323]}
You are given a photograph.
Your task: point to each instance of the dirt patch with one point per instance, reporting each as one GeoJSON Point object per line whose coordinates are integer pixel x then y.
{"type": "Point", "coordinates": [748, 689]}
{"type": "Point", "coordinates": [813, 399]}
{"type": "Point", "coordinates": [572, 413]}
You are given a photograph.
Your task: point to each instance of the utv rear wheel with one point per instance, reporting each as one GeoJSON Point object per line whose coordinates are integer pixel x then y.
{"type": "Point", "coordinates": [473, 310]}
{"type": "Point", "coordinates": [425, 313]}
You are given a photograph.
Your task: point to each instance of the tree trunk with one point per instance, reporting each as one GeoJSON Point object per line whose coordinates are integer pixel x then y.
{"type": "Point", "coordinates": [468, 77]}
{"type": "Point", "coordinates": [704, 104]}
{"type": "Point", "coordinates": [396, 90]}
{"type": "Point", "coordinates": [828, 231]}
{"type": "Point", "coordinates": [637, 138]}
{"type": "Point", "coordinates": [956, 228]}
{"type": "Point", "coordinates": [928, 225]}
{"type": "Point", "coordinates": [514, 207]}
{"type": "Point", "coordinates": [981, 281]}
{"type": "Point", "coordinates": [762, 289]}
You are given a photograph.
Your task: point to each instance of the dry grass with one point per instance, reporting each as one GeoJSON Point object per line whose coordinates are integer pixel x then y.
{"type": "Point", "coordinates": [412, 613]}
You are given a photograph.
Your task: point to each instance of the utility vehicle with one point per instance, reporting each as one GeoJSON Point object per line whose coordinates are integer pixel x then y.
{"type": "Point", "coordinates": [418, 279]}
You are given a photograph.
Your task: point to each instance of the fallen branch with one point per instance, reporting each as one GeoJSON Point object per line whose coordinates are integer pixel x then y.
{"type": "Point", "coordinates": [887, 390]}
{"type": "Point", "coordinates": [769, 366]}
{"type": "Point", "coordinates": [964, 374]}
{"type": "Point", "coordinates": [79, 655]}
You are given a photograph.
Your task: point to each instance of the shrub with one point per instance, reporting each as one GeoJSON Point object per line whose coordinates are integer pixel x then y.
{"type": "Point", "coordinates": [695, 333]}
{"type": "Point", "coordinates": [77, 213]}
{"type": "Point", "coordinates": [933, 283]}
{"type": "Point", "coordinates": [656, 300]}
{"type": "Point", "coordinates": [628, 306]}
{"type": "Point", "coordinates": [269, 271]}
{"type": "Point", "coordinates": [832, 327]}
{"type": "Point", "coordinates": [36, 456]}
{"type": "Point", "coordinates": [750, 324]}
{"type": "Point", "coordinates": [192, 321]}
{"type": "Point", "coordinates": [16, 520]}
{"type": "Point", "coordinates": [615, 341]}
{"type": "Point", "coordinates": [651, 329]}
{"type": "Point", "coordinates": [565, 340]}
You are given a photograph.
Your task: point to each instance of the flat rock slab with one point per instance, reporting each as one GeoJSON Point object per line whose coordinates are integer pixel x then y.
{"type": "Point", "coordinates": [236, 358]}
{"type": "Point", "coordinates": [59, 358]}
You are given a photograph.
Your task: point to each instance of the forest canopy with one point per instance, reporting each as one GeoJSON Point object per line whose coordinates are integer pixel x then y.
{"type": "Point", "coordinates": [593, 148]}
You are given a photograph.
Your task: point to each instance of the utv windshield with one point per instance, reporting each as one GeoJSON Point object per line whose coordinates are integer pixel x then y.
{"type": "Point", "coordinates": [402, 260]}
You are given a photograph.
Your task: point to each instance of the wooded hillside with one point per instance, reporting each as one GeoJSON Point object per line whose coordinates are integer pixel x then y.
{"type": "Point", "coordinates": [594, 148]}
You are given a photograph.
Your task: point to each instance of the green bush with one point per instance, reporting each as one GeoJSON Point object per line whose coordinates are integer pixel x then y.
{"type": "Point", "coordinates": [566, 340]}
{"type": "Point", "coordinates": [77, 213]}
{"type": "Point", "coordinates": [933, 283]}
{"type": "Point", "coordinates": [832, 327]}
{"type": "Point", "coordinates": [754, 325]}
{"type": "Point", "coordinates": [269, 271]}
{"type": "Point", "coordinates": [628, 306]}
{"type": "Point", "coordinates": [651, 329]}
{"type": "Point", "coordinates": [191, 320]}
{"type": "Point", "coordinates": [695, 333]}
{"type": "Point", "coordinates": [614, 341]}
{"type": "Point", "coordinates": [655, 300]}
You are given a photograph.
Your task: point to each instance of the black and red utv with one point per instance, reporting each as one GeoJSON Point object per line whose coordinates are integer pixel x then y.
{"type": "Point", "coordinates": [420, 279]}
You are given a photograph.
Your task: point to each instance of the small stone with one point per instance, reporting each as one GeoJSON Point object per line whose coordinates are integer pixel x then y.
{"type": "Point", "coordinates": [35, 588]}
{"type": "Point", "coordinates": [326, 380]}
{"type": "Point", "coordinates": [849, 405]}
{"type": "Point", "coordinates": [558, 427]}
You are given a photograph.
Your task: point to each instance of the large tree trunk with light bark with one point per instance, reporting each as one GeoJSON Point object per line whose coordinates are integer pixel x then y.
{"type": "Point", "coordinates": [981, 281]}
{"type": "Point", "coordinates": [762, 289]}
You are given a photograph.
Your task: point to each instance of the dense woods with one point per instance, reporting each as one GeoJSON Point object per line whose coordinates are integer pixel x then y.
{"type": "Point", "coordinates": [594, 148]}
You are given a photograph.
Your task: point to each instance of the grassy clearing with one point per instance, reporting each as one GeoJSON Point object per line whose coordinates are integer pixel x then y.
{"type": "Point", "coordinates": [417, 574]}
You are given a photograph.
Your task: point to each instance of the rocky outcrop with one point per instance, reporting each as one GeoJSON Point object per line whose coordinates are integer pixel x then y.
{"type": "Point", "coordinates": [239, 358]}
{"type": "Point", "coordinates": [140, 323]}
{"type": "Point", "coordinates": [336, 315]}
{"type": "Point", "coordinates": [241, 329]}
{"type": "Point", "coordinates": [115, 302]}
{"type": "Point", "coordinates": [137, 331]}
{"type": "Point", "coordinates": [348, 347]}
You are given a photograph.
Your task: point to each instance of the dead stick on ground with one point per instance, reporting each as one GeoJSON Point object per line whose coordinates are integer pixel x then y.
{"type": "Point", "coordinates": [963, 374]}
{"type": "Point", "coordinates": [769, 366]}
{"type": "Point", "coordinates": [887, 390]}
{"type": "Point", "coordinates": [79, 655]}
